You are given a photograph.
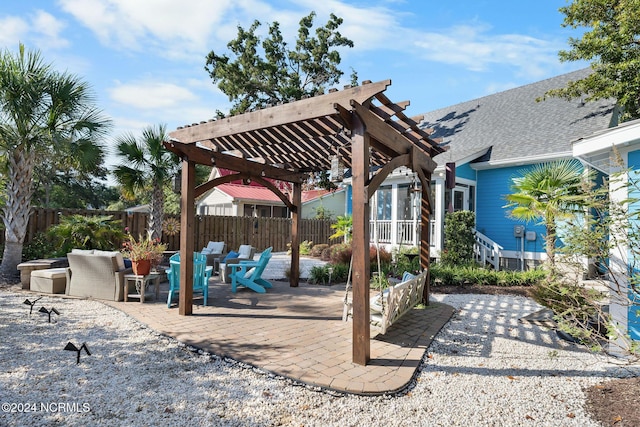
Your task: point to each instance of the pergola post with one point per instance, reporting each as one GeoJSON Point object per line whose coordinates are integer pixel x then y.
{"type": "Point", "coordinates": [187, 209]}
{"type": "Point", "coordinates": [296, 225]}
{"type": "Point", "coordinates": [425, 235]}
{"type": "Point", "coordinates": [360, 245]}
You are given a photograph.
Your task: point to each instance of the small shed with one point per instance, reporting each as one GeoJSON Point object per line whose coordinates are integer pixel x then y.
{"type": "Point", "coordinates": [358, 127]}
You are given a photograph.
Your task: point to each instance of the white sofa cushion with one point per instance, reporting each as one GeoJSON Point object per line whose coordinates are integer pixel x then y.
{"type": "Point", "coordinates": [244, 251]}
{"type": "Point", "coordinates": [214, 248]}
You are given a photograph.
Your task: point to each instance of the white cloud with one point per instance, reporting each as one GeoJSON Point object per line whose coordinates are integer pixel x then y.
{"type": "Point", "coordinates": [170, 26]}
{"type": "Point", "coordinates": [48, 29]}
{"type": "Point", "coordinates": [42, 30]}
{"type": "Point", "coordinates": [151, 95]}
{"type": "Point", "coordinates": [13, 31]}
{"type": "Point", "coordinates": [474, 48]}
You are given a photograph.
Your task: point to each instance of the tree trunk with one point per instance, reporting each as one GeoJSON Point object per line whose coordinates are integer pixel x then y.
{"type": "Point", "coordinates": [156, 213]}
{"type": "Point", "coordinates": [15, 214]}
{"type": "Point", "coordinates": [550, 242]}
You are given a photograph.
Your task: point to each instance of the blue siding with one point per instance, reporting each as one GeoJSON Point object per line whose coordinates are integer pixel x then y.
{"type": "Point", "coordinates": [492, 220]}
{"type": "Point", "coordinates": [634, 308]}
{"type": "Point", "coordinates": [465, 171]}
{"type": "Point", "coordinates": [349, 196]}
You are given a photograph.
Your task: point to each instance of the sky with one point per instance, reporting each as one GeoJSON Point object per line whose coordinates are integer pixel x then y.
{"type": "Point", "coordinates": [145, 59]}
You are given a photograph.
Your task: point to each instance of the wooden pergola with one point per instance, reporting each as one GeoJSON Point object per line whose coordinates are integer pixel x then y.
{"type": "Point", "coordinates": [288, 142]}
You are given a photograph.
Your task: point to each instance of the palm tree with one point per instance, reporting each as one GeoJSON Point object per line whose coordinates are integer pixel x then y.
{"type": "Point", "coordinates": [42, 112]}
{"type": "Point", "coordinates": [548, 193]}
{"type": "Point", "coordinates": [146, 165]}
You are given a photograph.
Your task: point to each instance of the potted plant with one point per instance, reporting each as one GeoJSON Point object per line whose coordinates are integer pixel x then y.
{"type": "Point", "coordinates": [144, 253]}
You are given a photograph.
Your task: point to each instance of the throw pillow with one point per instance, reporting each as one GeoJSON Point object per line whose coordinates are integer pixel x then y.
{"type": "Point", "coordinates": [230, 255]}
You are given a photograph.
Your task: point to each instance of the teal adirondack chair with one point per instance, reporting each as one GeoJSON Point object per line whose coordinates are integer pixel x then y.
{"type": "Point", "coordinates": [201, 276]}
{"type": "Point", "coordinates": [249, 273]}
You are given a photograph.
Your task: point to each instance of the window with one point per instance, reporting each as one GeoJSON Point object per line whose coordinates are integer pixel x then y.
{"type": "Point", "coordinates": [384, 203]}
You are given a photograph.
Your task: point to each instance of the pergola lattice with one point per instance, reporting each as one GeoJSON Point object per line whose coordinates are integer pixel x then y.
{"type": "Point", "coordinates": [287, 142]}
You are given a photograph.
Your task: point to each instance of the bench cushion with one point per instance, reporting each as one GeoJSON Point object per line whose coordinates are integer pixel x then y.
{"type": "Point", "coordinates": [53, 280]}
{"type": "Point", "coordinates": [51, 273]}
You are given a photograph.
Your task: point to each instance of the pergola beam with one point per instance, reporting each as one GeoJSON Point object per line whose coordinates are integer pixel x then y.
{"type": "Point", "coordinates": [304, 109]}
{"type": "Point", "coordinates": [208, 157]}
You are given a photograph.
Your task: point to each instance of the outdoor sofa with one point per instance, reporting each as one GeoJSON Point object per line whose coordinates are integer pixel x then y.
{"type": "Point", "coordinates": [96, 274]}
{"type": "Point", "coordinates": [215, 251]}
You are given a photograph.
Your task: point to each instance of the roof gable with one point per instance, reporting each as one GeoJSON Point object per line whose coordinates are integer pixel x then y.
{"type": "Point", "coordinates": [515, 126]}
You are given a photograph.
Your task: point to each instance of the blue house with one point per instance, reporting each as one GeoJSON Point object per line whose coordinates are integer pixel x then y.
{"type": "Point", "coordinates": [490, 141]}
{"type": "Point", "coordinates": [616, 152]}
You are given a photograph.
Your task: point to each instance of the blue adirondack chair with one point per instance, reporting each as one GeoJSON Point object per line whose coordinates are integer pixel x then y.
{"type": "Point", "coordinates": [249, 273]}
{"type": "Point", "coordinates": [201, 276]}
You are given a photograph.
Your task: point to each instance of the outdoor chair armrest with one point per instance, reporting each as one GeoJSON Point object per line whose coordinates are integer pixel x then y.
{"type": "Point", "coordinates": [244, 263]}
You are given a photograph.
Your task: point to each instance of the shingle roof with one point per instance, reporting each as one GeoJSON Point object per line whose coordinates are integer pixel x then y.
{"type": "Point", "coordinates": [514, 125]}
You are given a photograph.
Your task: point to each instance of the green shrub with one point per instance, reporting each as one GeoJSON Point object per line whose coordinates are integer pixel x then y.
{"type": "Point", "coordinates": [459, 238]}
{"type": "Point", "coordinates": [403, 263]}
{"type": "Point", "coordinates": [379, 281]}
{"type": "Point", "coordinates": [448, 275]}
{"type": "Point", "coordinates": [329, 273]}
{"type": "Point", "coordinates": [305, 247]}
{"type": "Point", "coordinates": [86, 232]}
{"type": "Point", "coordinates": [319, 275]}
{"type": "Point", "coordinates": [340, 272]}
{"type": "Point", "coordinates": [39, 247]}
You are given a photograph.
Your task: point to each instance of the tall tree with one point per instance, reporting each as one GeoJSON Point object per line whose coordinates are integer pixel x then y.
{"type": "Point", "coordinates": [548, 193]}
{"type": "Point", "coordinates": [146, 165]}
{"type": "Point", "coordinates": [72, 174]}
{"type": "Point", "coordinates": [41, 111]}
{"type": "Point", "coordinates": [613, 47]}
{"type": "Point", "coordinates": [267, 72]}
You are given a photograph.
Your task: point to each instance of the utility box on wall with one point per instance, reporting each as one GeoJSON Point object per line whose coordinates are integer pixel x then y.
{"type": "Point", "coordinates": [530, 236]}
{"type": "Point", "coordinates": [518, 231]}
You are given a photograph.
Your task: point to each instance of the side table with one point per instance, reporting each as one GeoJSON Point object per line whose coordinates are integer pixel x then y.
{"type": "Point", "coordinates": [140, 282]}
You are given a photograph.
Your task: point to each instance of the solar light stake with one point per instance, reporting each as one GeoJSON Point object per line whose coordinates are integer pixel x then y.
{"type": "Point", "coordinates": [31, 304]}
{"type": "Point", "coordinates": [53, 310]}
{"type": "Point", "coordinates": [71, 347]}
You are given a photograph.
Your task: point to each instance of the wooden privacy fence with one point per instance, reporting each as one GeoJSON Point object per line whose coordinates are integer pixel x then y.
{"type": "Point", "coordinates": [234, 231]}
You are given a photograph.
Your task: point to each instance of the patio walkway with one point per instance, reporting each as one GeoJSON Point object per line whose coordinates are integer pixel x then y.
{"type": "Point", "coordinates": [296, 333]}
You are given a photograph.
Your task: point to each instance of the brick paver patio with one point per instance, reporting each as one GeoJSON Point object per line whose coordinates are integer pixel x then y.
{"type": "Point", "coordinates": [297, 333]}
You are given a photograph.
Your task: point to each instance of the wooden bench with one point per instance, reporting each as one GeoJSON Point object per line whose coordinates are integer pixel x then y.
{"type": "Point", "coordinates": [395, 302]}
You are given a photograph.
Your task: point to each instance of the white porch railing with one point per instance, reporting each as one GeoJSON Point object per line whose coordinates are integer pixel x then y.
{"type": "Point", "coordinates": [486, 251]}
{"type": "Point", "coordinates": [406, 232]}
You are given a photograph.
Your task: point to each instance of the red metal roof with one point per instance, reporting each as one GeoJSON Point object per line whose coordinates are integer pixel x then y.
{"type": "Point", "coordinates": [254, 192]}
{"type": "Point", "coordinates": [249, 192]}
{"type": "Point", "coordinates": [313, 194]}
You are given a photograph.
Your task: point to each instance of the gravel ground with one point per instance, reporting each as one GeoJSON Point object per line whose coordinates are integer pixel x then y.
{"type": "Point", "coordinates": [484, 368]}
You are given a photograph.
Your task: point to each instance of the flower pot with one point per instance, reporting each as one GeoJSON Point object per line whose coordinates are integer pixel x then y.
{"type": "Point", "coordinates": [141, 267]}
